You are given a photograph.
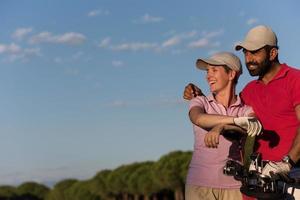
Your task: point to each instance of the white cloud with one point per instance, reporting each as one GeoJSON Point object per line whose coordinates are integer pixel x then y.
{"type": "Point", "coordinates": [14, 52]}
{"type": "Point", "coordinates": [171, 41]}
{"type": "Point", "coordinates": [24, 55]}
{"type": "Point", "coordinates": [41, 37]}
{"type": "Point", "coordinates": [145, 19]}
{"type": "Point", "coordinates": [95, 13]}
{"type": "Point", "coordinates": [189, 34]}
{"type": "Point", "coordinates": [212, 34]}
{"type": "Point", "coordinates": [167, 44]}
{"type": "Point", "coordinates": [135, 46]}
{"type": "Point", "coordinates": [206, 40]}
{"type": "Point", "coordinates": [129, 46]}
{"type": "Point", "coordinates": [70, 38]}
{"type": "Point", "coordinates": [10, 49]}
{"type": "Point", "coordinates": [20, 33]}
{"type": "Point", "coordinates": [105, 42]}
{"type": "Point", "coordinates": [117, 63]}
{"type": "Point", "coordinates": [252, 21]}
{"type": "Point", "coordinates": [203, 42]}
{"type": "Point", "coordinates": [176, 39]}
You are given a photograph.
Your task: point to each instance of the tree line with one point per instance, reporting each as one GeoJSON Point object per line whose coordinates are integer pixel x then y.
{"type": "Point", "coordinates": [148, 180]}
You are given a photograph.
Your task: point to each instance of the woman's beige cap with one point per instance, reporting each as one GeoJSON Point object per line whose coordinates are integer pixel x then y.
{"type": "Point", "coordinates": [257, 38]}
{"type": "Point", "coordinates": [219, 59]}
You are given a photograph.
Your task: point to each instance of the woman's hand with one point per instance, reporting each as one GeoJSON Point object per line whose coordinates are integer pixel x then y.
{"type": "Point", "coordinates": [211, 138]}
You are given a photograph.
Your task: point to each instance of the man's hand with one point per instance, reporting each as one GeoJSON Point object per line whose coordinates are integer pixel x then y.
{"type": "Point", "coordinates": [211, 138]}
{"type": "Point", "coordinates": [251, 124]}
{"type": "Point", "coordinates": [282, 168]}
{"type": "Point", "coordinates": [191, 91]}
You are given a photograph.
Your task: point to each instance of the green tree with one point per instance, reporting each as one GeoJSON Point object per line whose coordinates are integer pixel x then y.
{"type": "Point", "coordinates": [171, 170]}
{"type": "Point", "coordinates": [141, 181]}
{"type": "Point", "coordinates": [99, 185]}
{"type": "Point", "coordinates": [80, 191]}
{"type": "Point", "coordinates": [7, 192]}
{"type": "Point", "coordinates": [118, 180]}
{"type": "Point", "coordinates": [59, 190]}
{"type": "Point", "coordinates": [146, 181]}
{"type": "Point", "coordinates": [32, 190]}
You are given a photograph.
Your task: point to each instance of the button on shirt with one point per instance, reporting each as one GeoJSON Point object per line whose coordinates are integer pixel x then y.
{"type": "Point", "coordinates": [206, 167]}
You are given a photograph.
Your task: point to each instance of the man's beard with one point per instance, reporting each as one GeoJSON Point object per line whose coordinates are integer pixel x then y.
{"type": "Point", "coordinates": [261, 69]}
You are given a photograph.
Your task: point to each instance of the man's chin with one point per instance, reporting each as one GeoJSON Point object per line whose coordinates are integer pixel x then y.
{"type": "Point", "coordinates": [253, 73]}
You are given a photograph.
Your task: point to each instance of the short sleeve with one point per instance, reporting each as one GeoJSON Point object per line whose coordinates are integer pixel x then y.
{"type": "Point", "coordinates": [198, 101]}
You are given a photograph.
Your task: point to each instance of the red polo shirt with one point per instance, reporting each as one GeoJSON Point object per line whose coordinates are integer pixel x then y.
{"type": "Point", "coordinates": [274, 104]}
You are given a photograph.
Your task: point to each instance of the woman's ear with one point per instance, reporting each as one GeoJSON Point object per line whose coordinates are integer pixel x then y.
{"type": "Point", "coordinates": [232, 74]}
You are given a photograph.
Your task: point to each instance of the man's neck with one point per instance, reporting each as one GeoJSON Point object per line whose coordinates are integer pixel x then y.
{"type": "Point", "coordinates": [274, 69]}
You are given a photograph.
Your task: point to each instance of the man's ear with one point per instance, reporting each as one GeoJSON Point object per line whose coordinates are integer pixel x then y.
{"type": "Point", "coordinates": [273, 53]}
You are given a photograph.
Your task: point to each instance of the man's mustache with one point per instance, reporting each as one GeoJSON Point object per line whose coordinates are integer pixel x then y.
{"type": "Point", "coordinates": [251, 63]}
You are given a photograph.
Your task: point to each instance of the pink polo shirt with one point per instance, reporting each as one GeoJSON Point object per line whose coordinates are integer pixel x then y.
{"type": "Point", "coordinates": [206, 166]}
{"type": "Point", "coordinates": [274, 104]}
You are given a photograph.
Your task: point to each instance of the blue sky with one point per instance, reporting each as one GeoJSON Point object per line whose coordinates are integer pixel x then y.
{"type": "Point", "coordinates": [90, 85]}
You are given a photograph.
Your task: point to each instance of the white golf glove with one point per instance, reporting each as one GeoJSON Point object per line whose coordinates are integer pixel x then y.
{"type": "Point", "coordinates": [251, 124]}
{"type": "Point", "coordinates": [282, 168]}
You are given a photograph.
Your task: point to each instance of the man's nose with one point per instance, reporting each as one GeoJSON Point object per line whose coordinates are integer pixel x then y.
{"type": "Point", "coordinates": [248, 56]}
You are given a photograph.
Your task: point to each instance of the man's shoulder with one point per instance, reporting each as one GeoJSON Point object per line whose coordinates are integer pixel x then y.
{"type": "Point", "coordinates": [293, 74]}
{"type": "Point", "coordinates": [292, 70]}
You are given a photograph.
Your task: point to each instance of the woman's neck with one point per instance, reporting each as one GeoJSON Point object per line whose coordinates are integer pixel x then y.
{"type": "Point", "coordinates": [227, 96]}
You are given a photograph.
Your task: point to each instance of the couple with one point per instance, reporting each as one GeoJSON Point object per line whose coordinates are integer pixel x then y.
{"type": "Point", "coordinates": [274, 98]}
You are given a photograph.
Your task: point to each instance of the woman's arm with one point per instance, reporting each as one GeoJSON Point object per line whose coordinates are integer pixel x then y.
{"type": "Point", "coordinates": [211, 138]}
{"type": "Point", "coordinates": [208, 121]}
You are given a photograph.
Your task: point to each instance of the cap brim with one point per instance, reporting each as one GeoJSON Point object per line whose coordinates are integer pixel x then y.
{"type": "Point", "coordinates": [202, 63]}
{"type": "Point", "coordinates": [250, 46]}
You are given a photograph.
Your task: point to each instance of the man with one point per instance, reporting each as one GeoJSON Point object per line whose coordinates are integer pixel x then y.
{"type": "Point", "coordinates": [212, 116]}
{"type": "Point", "coordinates": [274, 97]}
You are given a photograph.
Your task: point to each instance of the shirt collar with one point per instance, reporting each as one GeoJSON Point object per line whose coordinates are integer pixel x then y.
{"type": "Point", "coordinates": [281, 74]}
{"type": "Point", "coordinates": [238, 102]}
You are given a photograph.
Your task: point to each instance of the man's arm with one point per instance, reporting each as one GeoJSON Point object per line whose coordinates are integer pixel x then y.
{"type": "Point", "coordinates": [294, 152]}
